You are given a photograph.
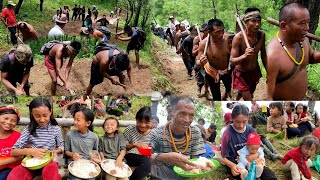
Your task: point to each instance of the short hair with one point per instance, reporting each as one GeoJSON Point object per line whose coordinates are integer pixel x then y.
{"type": "Point", "coordinates": [251, 9]}
{"type": "Point", "coordinates": [213, 126]}
{"type": "Point", "coordinates": [309, 140]}
{"type": "Point", "coordinates": [144, 114]}
{"type": "Point", "coordinates": [240, 109]}
{"type": "Point", "coordinates": [276, 105]}
{"type": "Point", "coordinates": [288, 10]}
{"type": "Point", "coordinates": [229, 104]}
{"type": "Point", "coordinates": [214, 22]}
{"type": "Point", "coordinates": [175, 100]}
{"type": "Point", "coordinates": [76, 45]}
{"type": "Point", "coordinates": [122, 61]}
{"type": "Point", "coordinates": [202, 120]}
{"type": "Point", "coordinates": [22, 26]}
{"type": "Point", "coordinates": [127, 28]}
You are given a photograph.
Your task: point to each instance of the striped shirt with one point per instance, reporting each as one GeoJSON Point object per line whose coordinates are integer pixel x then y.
{"type": "Point", "coordinates": [132, 135]}
{"type": "Point", "coordinates": [48, 137]}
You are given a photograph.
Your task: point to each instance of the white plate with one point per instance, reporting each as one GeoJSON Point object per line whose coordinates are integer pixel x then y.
{"type": "Point", "coordinates": [109, 164]}
{"type": "Point", "coordinates": [83, 172]}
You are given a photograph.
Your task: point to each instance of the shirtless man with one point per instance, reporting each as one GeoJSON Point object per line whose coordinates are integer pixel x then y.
{"type": "Point", "coordinates": [287, 71]}
{"type": "Point", "coordinates": [107, 64]}
{"type": "Point", "coordinates": [247, 72]}
{"type": "Point", "coordinates": [54, 62]}
{"type": "Point", "coordinates": [199, 71]}
{"type": "Point", "coordinates": [215, 61]}
{"type": "Point", "coordinates": [27, 31]}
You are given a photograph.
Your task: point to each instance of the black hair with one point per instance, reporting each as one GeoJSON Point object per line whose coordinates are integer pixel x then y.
{"type": "Point", "coordinates": [309, 140]}
{"type": "Point", "coordinates": [229, 104]}
{"type": "Point", "coordinates": [109, 118]}
{"type": "Point", "coordinates": [192, 27]}
{"type": "Point", "coordinates": [127, 28]}
{"type": "Point", "coordinates": [202, 120]}
{"type": "Point", "coordinates": [175, 100]}
{"type": "Point", "coordinates": [144, 114]}
{"type": "Point", "coordinates": [22, 26]}
{"type": "Point", "coordinates": [36, 103]}
{"type": "Point", "coordinates": [154, 117]}
{"type": "Point", "coordinates": [291, 104]}
{"type": "Point", "coordinates": [4, 110]}
{"type": "Point", "coordinates": [288, 11]}
{"type": "Point", "coordinates": [88, 115]}
{"type": "Point", "coordinates": [277, 105]}
{"type": "Point", "coordinates": [76, 45]}
{"type": "Point", "coordinates": [213, 126]}
{"type": "Point", "coordinates": [251, 9]}
{"type": "Point", "coordinates": [214, 22]}
{"type": "Point", "coordinates": [299, 104]}
{"type": "Point", "coordinates": [122, 61]}
{"type": "Point", "coordinates": [305, 109]}
{"type": "Point", "coordinates": [240, 109]}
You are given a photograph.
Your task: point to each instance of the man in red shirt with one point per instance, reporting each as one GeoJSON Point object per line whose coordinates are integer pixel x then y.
{"type": "Point", "coordinates": [8, 17]}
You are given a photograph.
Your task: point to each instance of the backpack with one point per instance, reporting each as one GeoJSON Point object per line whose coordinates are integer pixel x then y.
{"type": "Point", "coordinates": [142, 37]}
{"type": "Point", "coordinates": [106, 46]}
{"type": "Point", "coordinates": [45, 49]}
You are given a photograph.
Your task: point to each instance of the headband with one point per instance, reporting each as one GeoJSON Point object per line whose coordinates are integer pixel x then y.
{"type": "Point", "coordinates": [10, 107]}
{"type": "Point", "coordinates": [251, 15]}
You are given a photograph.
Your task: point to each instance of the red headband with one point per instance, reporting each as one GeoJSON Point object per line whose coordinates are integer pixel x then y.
{"type": "Point", "coordinates": [12, 108]}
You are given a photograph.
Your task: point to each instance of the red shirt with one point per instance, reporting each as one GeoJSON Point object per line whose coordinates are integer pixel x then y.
{"type": "Point", "coordinates": [296, 155]}
{"type": "Point", "coordinates": [10, 16]}
{"type": "Point", "coordinates": [6, 146]}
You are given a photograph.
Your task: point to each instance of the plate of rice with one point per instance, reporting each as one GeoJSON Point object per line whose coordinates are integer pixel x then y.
{"type": "Point", "coordinates": [36, 163]}
{"type": "Point", "coordinates": [205, 167]}
{"type": "Point", "coordinates": [110, 167]}
{"type": "Point", "coordinates": [84, 169]}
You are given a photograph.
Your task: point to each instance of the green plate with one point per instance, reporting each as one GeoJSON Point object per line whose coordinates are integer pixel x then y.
{"type": "Point", "coordinates": [180, 172]}
{"type": "Point", "coordinates": [48, 158]}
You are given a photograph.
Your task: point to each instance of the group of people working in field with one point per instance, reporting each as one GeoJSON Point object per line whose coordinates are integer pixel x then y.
{"type": "Point", "coordinates": [108, 62]}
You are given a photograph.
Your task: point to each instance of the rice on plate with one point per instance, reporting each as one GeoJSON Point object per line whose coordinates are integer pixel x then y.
{"type": "Point", "coordinates": [84, 169]}
{"type": "Point", "coordinates": [110, 167]}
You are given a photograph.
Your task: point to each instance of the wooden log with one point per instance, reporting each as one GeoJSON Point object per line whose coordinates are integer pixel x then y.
{"type": "Point", "coordinates": [309, 35]}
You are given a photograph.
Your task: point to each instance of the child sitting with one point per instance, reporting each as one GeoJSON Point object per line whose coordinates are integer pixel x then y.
{"type": "Point", "coordinates": [41, 135]}
{"type": "Point", "coordinates": [250, 152]}
{"type": "Point", "coordinates": [112, 145]}
{"type": "Point", "coordinates": [9, 118]}
{"type": "Point", "coordinates": [297, 160]}
{"type": "Point", "coordinates": [302, 120]}
{"type": "Point", "coordinates": [82, 140]}
{"type": "Point", "coordinates": [276, 122]}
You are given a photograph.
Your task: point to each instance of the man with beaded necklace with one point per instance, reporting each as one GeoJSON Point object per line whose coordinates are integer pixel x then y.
{"type": "Point", "coordinates": [288, 55]}
{"type": "Point", "coordinates": [175, 142]}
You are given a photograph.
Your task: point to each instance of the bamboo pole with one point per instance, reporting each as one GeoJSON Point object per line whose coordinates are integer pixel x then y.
{"type": "Point", "coordinates": [198, 32]}
{"type": "Point", "coordinates": [309, 35]}
{"type": "Point", "coordinates": [206, 47]}
{"type": "Point", "coordinates": [243, 32]}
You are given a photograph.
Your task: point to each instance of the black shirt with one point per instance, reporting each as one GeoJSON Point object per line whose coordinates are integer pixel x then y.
{"type": "Point", "coordinates": [103, 22]}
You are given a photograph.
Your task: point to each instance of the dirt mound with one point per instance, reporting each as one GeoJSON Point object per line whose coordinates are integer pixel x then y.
{"type": "Point", "coordinates": [80, 77]}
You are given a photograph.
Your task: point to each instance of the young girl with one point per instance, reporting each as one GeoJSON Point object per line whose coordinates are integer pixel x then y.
{"type": "Point", "coordinates": [251, 151]}
{"type": "Point", "coordinates": [289, 115]}
{"type": "Point", "coordinates": [302, 120]}
{"type": "Point", "coordinates": [80, 141]}
{"type": "Point", "coordinates": [9, 118]}
{"type": "Point", "coordinates": [276, 122]}
{"type": "Point", "coordinates": [41, 135]}
{"type": "Point", "coordinates": [112, 145]}
{"type": "Point", "coordinates": [297, 160]}
{"type": "Point", "coordinates": [138, 137]}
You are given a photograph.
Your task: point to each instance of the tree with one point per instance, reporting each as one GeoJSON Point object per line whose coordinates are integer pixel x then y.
{"type": "Point", "coordinates": [17, 9]}
{"type": "Point", "coordinates": [137, 14]}
{"type": "Point", "coordinates": [1, 4]}
{"type": "Point", "coordinates": [41, 5]}
{"type": "Point", "coordinates": [313, 7]}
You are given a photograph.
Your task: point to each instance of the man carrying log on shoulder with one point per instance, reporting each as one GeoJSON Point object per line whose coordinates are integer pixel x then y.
{"type": "Point", "coordinates": [244, 56]}
{"type": "Point", "coordinates": [288, 55]}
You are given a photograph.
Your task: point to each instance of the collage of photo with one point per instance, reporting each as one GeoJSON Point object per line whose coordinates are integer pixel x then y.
{"type": "Point", "coordinates": [212, 90]}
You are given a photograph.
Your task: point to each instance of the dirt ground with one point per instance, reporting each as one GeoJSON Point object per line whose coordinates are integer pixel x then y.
{"type": "Point", "coordinates": [175, 70]}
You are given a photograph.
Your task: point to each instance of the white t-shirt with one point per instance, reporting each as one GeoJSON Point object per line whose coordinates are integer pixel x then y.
{"type": "Point", "coordinates": [56, 31]}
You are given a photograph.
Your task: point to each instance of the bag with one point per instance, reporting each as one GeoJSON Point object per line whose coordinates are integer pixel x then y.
{"type": "Point", "coordinates": [106, 46]}
{"type": "Point", "coordinates": [252, 172]}
{"type": "Point", "coordinates": [142, 37]}
{"type": "Point", "coordinates": [45, 49]}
